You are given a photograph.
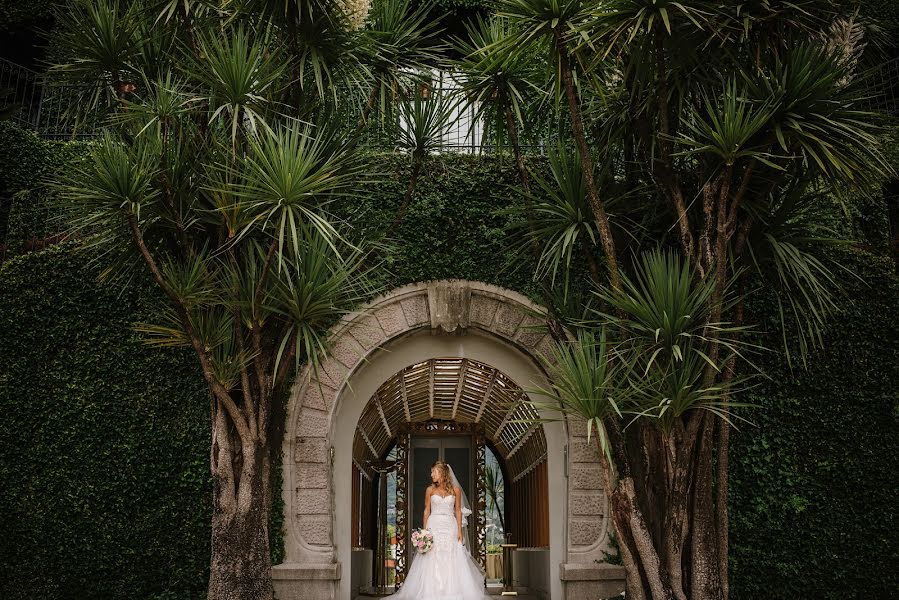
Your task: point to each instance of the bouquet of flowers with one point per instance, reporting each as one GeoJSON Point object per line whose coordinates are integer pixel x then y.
{"type": "Point", "coordinates": [422, 539]}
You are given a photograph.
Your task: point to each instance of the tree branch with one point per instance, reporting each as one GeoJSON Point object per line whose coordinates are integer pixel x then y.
{"type": "Point", "coordinates": [257, 295]}
{"type": "Point", "coordinates": [724, 457]}
{"type": "Point", "coordinates": [577, 126]}
{"type": "Point", "coordinates": [260, 363]}
{"type": "Point", "coordinates": [720, 265]}
{"type": "Point", "coordinates": [664, 136]}
{"type": "Point", "coordinates": [256, 329]}
{"type": "Point", "coordinates": [675, 193]}
{"type": "Point", "coordinates": [369, 104]}
{"type": "Point", "coordinates": [247, 389]}
{"type": "Point", "coordinates": [738, 197]}
{"type": "Point", "coordinates": [286, 361]}
{"type": "Point", "coordinates": [208, 373]}
{"type": "Point", "coordinates": [222, 466]}
{"type": "Point", "coordinates": [709, 188]}
{"type": "Point", "coordinates": [742, 235]}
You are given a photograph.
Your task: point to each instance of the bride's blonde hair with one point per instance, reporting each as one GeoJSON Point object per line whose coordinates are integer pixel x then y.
{"type": "Point", "coordinates": [446, 480]}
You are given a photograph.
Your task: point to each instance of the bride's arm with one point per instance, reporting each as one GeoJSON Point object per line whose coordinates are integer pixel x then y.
{"type": "Point", "coordinates": [424, 521]}
{"type": "Point", "coordinates": [458, 493]}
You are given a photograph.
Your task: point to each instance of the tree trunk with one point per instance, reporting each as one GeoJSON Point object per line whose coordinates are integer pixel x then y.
{"type": "Point", "coordinates": [410, 190]}
{"type": "Point", "coordinates": [705, 559]}
{"type": "Point", "coordinates": [624, 501]}
{"type": "Point", "coordinates": [704, 584]}
{"type": "Point", "coordinates": [577, 127]}
{"type": "Point", "coordinates": [366, 110]}
{"type": "Point", "coordinates": [676, 518]}
{"type": "Point", "coordinates": [519, 157]}
{"type": "Point", "coordinates": [240, 566]}
{"type": "Point", "coordinates": [634, 587]}
{"type": "Point", "coordinates": [633, 578]}
{"type": "Point", "coordinates": [684, 564]}
{"type": "Point", "coordinates": [724, 461]}
{"type": "Point", "coordinates": [645, 575]}
{"type": "Point", "coordinates": [722, 516]}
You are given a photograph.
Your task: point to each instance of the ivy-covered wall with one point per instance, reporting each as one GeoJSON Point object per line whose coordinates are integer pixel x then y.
{"type": "Point", "coordinates": [104, 444]}
{"type": "Point", "coordinates": [104, 476]}
{"type": "Point", "coordinates": [26, 161]}
{"type": "Point", "coordinates": [453, 228]}
{"type": "Point", "coordinates": [813, 492]}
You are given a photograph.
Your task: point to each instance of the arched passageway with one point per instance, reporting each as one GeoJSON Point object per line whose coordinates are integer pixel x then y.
{"type": "Point", "coordinates": [401, 335]}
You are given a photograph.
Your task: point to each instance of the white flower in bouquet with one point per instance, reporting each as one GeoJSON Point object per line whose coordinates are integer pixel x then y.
{"type": "Point", "coordinates": [422, 539]}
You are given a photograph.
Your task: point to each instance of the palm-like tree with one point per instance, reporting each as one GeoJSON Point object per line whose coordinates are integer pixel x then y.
{"type": "Point", "coordinates": [215, 175]}
{"type": "Point", "coordinates": [253, 272]}
{"type": "Point", "coordinates": [641, 374]}
{"type": "Point", "coordinates": [238, 71]}
{"type": "Point", "coordinates": [100, 44]}
{"type": "Point", "coordinates": [399, 44]}
{"type": "Point", "coordinates": [735, 121]}
{"type": "Point", "coordinates": [424, 121]}
{"type": "Point", "coordinates": [558, 218]}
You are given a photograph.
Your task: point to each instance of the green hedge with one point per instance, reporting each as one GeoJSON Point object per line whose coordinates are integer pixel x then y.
{"type": "Point", "coordinates": [452, 228]}
{"type": "Point", "coordinates": [813, 496]}
{"type": "Point", "coordinates": [104, 475]}
{"type": "Point", "coordinates": [25, 161]}
{"type": "Point", "coordinates": [104, 480]}
{"type": "Point", "coordinates": [16, 15]}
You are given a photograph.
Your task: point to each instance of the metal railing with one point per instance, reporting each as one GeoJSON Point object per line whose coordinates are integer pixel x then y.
{"type": "Point", "coordinates": [36, 104]}
{"type": "Point", "coordinates": [29, 101]}
{"type": "Point", "coordinates": [27, 98]}
{"type": "Point", "coordinates": [883, 84]}
{"type": "Point", "coordinates": [21, 94]}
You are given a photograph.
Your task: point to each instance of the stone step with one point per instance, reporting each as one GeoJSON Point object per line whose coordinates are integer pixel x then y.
{"type": "Point", "coordinates": [497, 591]}
{"type": "Point", "coordinates": [518, 597]}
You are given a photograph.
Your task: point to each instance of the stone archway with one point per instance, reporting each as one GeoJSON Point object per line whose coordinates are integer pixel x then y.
{"type": "Point", "coordinates": [438, 318]}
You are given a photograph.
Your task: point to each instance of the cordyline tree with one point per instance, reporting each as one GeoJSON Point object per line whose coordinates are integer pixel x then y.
{"type": "Point", "coordinates": [229, 127]}
{"type": "Point", "coordinates": [722, 132]}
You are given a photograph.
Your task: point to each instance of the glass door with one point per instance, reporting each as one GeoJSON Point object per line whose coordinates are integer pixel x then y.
{"type": "Point", "coordinates": [425, 450]}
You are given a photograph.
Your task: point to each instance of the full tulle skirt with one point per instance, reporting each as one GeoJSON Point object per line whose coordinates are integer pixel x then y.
{"type": "Point", "coordinates": [447, 571]}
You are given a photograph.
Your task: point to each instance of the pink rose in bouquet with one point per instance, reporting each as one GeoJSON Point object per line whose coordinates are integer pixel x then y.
{"type": "Point", "coordinates": [422, 539]}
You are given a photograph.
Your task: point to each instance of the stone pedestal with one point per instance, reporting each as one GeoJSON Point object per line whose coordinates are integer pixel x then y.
{"type": "Point", "coordinates": [589, 582]}
{"type": "Point", "coordinates": [362, 576]}
{"type": "Point", "coordinates": [293, 581]}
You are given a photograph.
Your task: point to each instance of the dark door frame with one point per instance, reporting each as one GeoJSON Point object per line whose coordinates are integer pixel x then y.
{"type": "Point", "coordinates": [478, 499]}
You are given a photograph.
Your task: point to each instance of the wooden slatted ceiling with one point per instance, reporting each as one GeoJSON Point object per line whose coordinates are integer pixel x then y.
{"type": "Point", "coordinates": [454, 389]}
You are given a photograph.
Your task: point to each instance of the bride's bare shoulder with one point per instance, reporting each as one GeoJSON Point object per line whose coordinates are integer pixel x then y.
{"type": "Point", "coordinates": [457, 490]}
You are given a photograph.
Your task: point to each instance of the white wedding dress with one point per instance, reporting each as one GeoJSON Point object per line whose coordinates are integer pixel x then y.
{"type": "Point", "coordinates": [447, 571]}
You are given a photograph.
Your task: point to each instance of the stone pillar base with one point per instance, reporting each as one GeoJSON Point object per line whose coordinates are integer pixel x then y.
{"type": "Point", "coordinates": [296, 581]}
{"type": "Point", "coordinates": [589, 582]}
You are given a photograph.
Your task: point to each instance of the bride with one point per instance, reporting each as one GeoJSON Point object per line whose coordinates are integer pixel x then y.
{"type": "Point", "coordinates": [447, 571]}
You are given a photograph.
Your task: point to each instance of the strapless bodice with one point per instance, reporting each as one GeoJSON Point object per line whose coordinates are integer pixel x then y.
{"type": "Point", "coordinates": [443, 505]}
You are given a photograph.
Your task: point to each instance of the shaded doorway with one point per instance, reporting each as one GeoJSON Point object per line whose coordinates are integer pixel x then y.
{"type": "Point", "coordinates": [477, 419]}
